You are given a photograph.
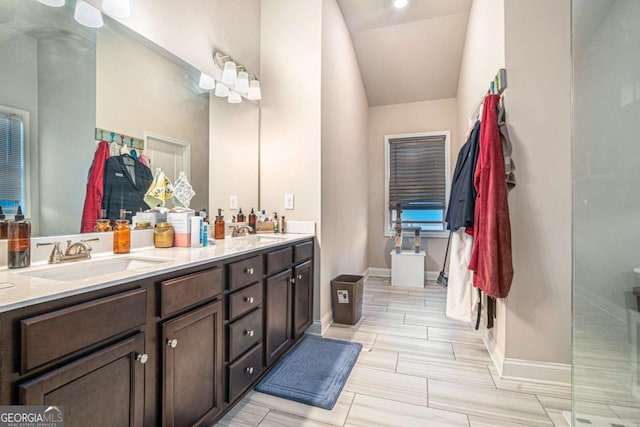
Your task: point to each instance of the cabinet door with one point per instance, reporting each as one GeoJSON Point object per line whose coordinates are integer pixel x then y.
{"type": "Point", "coordinates": [192, 368]}
{"type": "Point", "coordinates": [278, 315]}
{"type": "Point", "coordinates": [302, 298]}
{"type": "Point", "coordinates": [105, 388]}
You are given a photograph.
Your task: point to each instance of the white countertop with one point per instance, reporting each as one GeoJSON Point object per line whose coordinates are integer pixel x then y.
{"type": "Point", "coordinates": [18, 289]}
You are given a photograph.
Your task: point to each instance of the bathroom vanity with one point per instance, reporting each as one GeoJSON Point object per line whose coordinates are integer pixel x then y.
{"type": "Point", "coordinates": [172, 344]}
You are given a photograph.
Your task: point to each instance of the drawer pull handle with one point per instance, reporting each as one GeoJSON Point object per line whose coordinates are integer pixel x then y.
{"type": "Point", "coordinates": [249, 370]}
{"type": "Point", "coordinates": [292, 280]}
{"type": "Point", "coordinates": [249, 332]}
{"type": "Point", "coordinates": [172, 343]}
{"type": "Point", "coordinates": [249, 300]}
{"type": "Point", "coordinates": [299, 277]}
{"type": "Point", "coordinates": [142, 358]}
{"type": "Point", "coordinates": [249, 270]}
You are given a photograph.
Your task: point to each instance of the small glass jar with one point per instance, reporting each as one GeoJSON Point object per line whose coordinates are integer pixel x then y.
{"type": "Point", "coordinates": [122, 237]}
{"type": "Point", "coordinates": [102, 225]}
{"type": "Point", "coordinates": [163, 235]}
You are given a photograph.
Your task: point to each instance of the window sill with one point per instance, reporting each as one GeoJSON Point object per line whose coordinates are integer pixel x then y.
{"type": "Point", "coordinates": [423, 234]}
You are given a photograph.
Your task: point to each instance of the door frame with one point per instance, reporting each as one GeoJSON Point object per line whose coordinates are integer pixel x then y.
{"type": "Point", "coordinates": [185, 145]}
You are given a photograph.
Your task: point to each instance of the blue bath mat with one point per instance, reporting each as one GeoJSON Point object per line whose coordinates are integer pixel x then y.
{"type": "Point", "coordinates": [314, 372]}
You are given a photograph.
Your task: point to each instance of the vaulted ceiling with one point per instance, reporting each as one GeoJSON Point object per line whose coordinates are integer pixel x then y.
{"type": "Point", "coordinates": [411, 54]}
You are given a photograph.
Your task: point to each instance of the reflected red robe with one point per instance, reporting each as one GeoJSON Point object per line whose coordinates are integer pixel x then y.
{"type": "Point", "coordinates": [491, 257]}
{"type": "Point", "coordinates": [95, 189]}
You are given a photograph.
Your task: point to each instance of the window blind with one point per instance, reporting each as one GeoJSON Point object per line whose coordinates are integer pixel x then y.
{"type": "Point", "coordinates": [11, 157]}
{"type": "Point", "coordinates": [417, 172]}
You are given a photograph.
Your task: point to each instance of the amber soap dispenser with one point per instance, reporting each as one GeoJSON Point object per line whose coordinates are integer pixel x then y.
{"type": "Point", "coordinates": [122, 235]}
{"type": "Point", "coordinates": [19, 247]}
{"type": "Point", "coordinates": [4, 226]}
{"type": "Point", "coordinates": [219, 226]}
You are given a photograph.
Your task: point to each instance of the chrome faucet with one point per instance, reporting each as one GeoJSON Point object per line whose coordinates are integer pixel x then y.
{"type": "Point", "coordinates": [73, 252]}
{"type": "Point", "coordinates": [242, 230]}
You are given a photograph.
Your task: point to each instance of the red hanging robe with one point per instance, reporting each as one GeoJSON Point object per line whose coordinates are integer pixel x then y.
{"type": "Point", "coordinates": [491, 256]}
{"type": "Point", "coordinates": [95, 189]}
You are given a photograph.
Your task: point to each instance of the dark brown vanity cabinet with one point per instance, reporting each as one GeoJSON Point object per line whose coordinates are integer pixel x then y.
{"type": "Point", "coordinates": [192, 366]}
{"type": "Point", "coordinates": [175, 349]}
{"type": "Point", "coordinates": [278, 301]}
{"type": "Point", "coordinates": [302, 298]}
{"type": "Point", "coordinates": [105, 388]}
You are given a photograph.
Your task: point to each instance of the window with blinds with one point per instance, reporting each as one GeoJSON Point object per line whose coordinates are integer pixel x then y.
{"type": "Point", "coordinates": [11, 162]}
{"type": "Point", "coordinates": [417, 179]}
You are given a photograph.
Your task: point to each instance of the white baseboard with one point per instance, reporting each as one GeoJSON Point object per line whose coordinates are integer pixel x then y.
{"type": "Point", "coordinates": [319, 327]}
{"type": "Point", "coordinates": [603, 304]}
{"type": "Point", "coordinates": [494, 351]}
{"type": "Point", "coordinates": [526, 370]}
{"type": "Point", "coordinates": [386, 272]}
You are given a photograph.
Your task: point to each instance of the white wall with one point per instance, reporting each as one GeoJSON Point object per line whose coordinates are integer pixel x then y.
{"type": "Point", "coordinates": [152, 96]}
{"type": "Point", "coordinates": [412, 117]}
{"type": "Point", "coordinates": [234, 155]}
{"type": "Point", "coordinates": [193, 33]}
{"type": "Point", "coordinates": [532, 40]}
{"type": "Point", "coordinates": [344, 156]}
{"type": "Point", "coordinates": [483, 56]}
{"type": "Point", "coordinates": [66, 117]}
{"type": "Point", "coordinates": [22, 71]}
{"type": "Point", "coordinates": [538, 51]}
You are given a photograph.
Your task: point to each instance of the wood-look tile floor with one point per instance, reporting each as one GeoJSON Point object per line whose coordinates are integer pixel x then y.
{"type": "Point", "coordinates": [418, 368]}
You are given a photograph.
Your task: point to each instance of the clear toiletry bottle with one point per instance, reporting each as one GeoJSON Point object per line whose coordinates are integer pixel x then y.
{"type": "Point", "coordinates": [19, 247]}
{"type": "Point", "coordinates": [275, 222]}
{"type": "Point", "coordinates": [4, 226]}
{"type": "Point", "coordinates": [122, 234]}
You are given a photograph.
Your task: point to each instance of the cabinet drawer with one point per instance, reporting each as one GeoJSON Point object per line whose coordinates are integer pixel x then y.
{"type": "Point", "coordinates": [244, 272]}
{"type": "Point", "coordinates": [302, 251]}
{"type": "Point", "coordinates": [53, 335]}
{"type": "Point", "coordinates": [244, 333]}
{"type": "Point", "coordinates": [185, 291]}
{"type": "Point", "coordinates": [242, 301]}
{"type": "Point", "coordinates": [278, 260]}
{"type": "Point", "coordinates": [244, 372]}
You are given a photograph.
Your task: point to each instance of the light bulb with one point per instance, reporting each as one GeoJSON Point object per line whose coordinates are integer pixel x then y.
{"type": "Point", "coordinates": [88, 15]}
{"type": "Point", "coordinates": [53, 3]}
{"type": "Point", "coordinates": [255, 93]}
{"type": "Point", "coordinates": [117, 8]}
{"type": "Point", "coordinates": [221, 90]}
{"type": "Point", "coordinates": [206, 81]}
{"type": "Point", "coordinates": [399, 4]}
{"type": "Point", "coordinates": [242, 84]}
{"type": "Point", "coordinates": [234, 97]}
{"type": "Point", "coordinates": [229, 74]}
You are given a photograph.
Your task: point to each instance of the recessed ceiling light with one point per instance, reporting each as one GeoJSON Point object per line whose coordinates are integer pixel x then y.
{"type": "Point", "coordinates": [399, 4]}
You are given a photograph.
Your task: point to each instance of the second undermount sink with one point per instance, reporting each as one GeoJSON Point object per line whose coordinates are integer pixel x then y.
{"type": "Point", "coordinates": [84, 270]}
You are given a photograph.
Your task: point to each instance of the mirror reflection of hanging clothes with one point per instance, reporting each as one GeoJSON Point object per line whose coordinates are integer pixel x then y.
{"type": "Point", "coordinates": [125, 183]}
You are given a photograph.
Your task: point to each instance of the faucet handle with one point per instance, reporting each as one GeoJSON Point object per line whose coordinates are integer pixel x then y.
{"type": "Point", "coordinates": [48, 244]}
{"type": "Point", "coordinates": [56, 253]}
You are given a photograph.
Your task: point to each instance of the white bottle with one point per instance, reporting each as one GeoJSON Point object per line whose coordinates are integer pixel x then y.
{"type": "Point", "coordinates": [196, 231]}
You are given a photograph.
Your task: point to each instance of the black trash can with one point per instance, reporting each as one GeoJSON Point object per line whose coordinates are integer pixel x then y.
{"type": "Point", "coordinates": [346, 298]}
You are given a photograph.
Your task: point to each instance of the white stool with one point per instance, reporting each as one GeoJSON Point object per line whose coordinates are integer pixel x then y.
{"type": "Point", "coordinates": [407, 268]}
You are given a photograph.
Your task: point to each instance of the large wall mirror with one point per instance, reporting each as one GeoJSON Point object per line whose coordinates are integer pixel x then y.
{"type": "Point", "coordinates": [59, 81]}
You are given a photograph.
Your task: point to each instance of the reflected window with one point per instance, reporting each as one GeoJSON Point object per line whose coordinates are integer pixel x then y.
{"type": "Point", "coordinates": [12, 161]}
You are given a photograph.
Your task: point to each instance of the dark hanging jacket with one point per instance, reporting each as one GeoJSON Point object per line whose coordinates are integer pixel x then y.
{"type": "Point", "coordinates": [121, 191]}
{"type": "Point", "coordinates": [491, 257]}
{"type": "Point", "coordinates": [462, 199]}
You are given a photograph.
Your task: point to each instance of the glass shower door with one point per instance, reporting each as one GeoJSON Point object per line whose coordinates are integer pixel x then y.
{"type": "Point", "coordinates": [606, 209]}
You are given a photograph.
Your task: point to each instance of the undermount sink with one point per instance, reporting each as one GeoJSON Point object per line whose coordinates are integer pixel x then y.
{"type": "Point", "coordinates": [84, 270]}
{"type": "Point", "coordinates": [260, 238]}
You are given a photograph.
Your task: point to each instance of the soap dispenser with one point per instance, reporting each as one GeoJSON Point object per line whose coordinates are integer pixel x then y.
{"type": "Point", "coordinates": [4, 226]}
{"type": "Point", "coordinates": [252, 220]}
{"type": "Point", "coordinates": [122, 234]}
{"type": "Point", "coordinates": [19, 248]}
{"type": "Point", "coordinates": [275, 223]}
{"type": "Point", "coordinates": [219, 226]}
{"type": "Point", "coordinates": [241, 216]}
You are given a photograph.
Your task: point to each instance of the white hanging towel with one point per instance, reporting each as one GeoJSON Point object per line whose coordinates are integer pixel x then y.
{"type": "Point", "coordinates": [462, 299]}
